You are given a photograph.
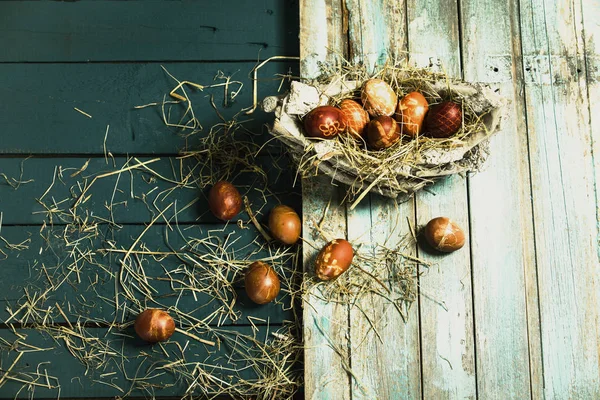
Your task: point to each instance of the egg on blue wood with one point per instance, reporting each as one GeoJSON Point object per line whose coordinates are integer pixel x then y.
{"type": "Point", "coordinates": [224, 200]}
{"type": "Point", "coordinates": [261, 283]}
{"type": "Point", "coordinates": [285, 224]}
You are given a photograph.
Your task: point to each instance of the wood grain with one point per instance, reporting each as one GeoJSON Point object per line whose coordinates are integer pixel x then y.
{"type": "Point", "coordinates": [146, 31]}
{"type": "Point", "coordinates": [386, 366]}
{"type": "Point", "coordinates": [85, 287]}
{"type": "Point", "coordinates": [326, 330]}
{"type": "Point", "coordinates": [384, 347]}
{"type": "Point", "coordinates": [446, 303]}
{"type": "Point", "coordinates": [138, 195]}
{"type": "Point", "coordinates": [143, 360]}
{"type": "Point", "coordinates": [502, 250]}
{"type": "Point", "coordinates": [39, 116]}
{"type": "Point", "coordinates": [566, 233]}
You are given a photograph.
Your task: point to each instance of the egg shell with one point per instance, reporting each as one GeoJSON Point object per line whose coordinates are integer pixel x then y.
{"type": "Point", "coordinates": [356, 118]}
{"type": "Point", "coordinates": [383, 131]}
{"type": "Point", "coordinates": [411, 112]}
{"type": "Point", "coordinates": [261, 283]}
{"type": "Point", "coordinates": [334, 259]}
{"type": "Point", "coordinates": [443, 120]}
{"type": "Point", "coordinates": [285, 224]}
{"type": "Point", "coordinates": [154, 325]}
{"type": "Point", "coordinates": [224, 200]}
{"type": "Point", "coordinates": [378, 98]}
{"type": "Point", "coordinates": [444, 234]}
{"type": "Point", "coordinates": [324, 122]}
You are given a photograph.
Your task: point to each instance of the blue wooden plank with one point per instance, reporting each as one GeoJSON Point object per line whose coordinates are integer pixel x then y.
{"type": "Point", "coordinates": [38, 105]}
{"type": "Point", "coordinates": [52, 31]}
{"type": "Point", "coordinates": [137, 195]}
{"type": "Point", "coordinates": [112, 375]}
{"type": "Point", "coordinates": [78, 270]}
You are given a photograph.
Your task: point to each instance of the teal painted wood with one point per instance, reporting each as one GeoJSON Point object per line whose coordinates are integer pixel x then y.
{"type": "Point", "coordinates": [39, 117]}
{"type": "Point", "coordinates": [560, 146]}
{"type": "Point", "coordinates": [143, 360]}
{"type": "Point", "coordinates": [86, 290]}
{"type": "Point", "coordinates": [44, 77]}
{"type": "Point", "coordinates": [137, 195]}
{"type": "Point", "coordinates": [388, 367]}
{"type": "Point", "coordinates": [502, 250]}
{"type": "Point", "coordinates": [325, 325]}
{"type": "Point", "coordinates": [146, 30]}
{"type": "Point", "coordinates": [446, 301]}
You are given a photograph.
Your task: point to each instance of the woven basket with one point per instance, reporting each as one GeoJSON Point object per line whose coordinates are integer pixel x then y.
{"type": "Point", "coordinates": [431, 165]}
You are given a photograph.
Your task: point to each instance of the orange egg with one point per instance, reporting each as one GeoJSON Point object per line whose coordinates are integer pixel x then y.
{"type": "Point", "coordinates": [356, 118]}
{"type": "Point", "coordinates": [334, 259]}
{"type": "Point", "coordinates": [378, 98]}
{"type": "Point", "coordinates": [411, 113]}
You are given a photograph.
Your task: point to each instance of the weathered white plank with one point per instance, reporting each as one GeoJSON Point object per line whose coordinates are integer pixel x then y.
{"type": "Point", "coordinates": [448, 354]}
{"type": "Point", "coordinates": [386, 367]}
{"type": "Point", "coordinates": [384, 347]}
{"type": "Point", "coordinates": [446, 307]}
{"type": "Point", "coordinates": [590, 11]}
{"type": "Point", "coordinates": [325, 324]}
{"type": "Point", "coordinates": [564, 198]}
{"type": "Point", "coordinates": [503, 258]}
{"type": "Point", "coordinates": [377, 30]}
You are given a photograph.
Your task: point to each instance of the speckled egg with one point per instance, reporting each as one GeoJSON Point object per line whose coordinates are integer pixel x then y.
{"type": "Point", "coordinates": [334, 259]}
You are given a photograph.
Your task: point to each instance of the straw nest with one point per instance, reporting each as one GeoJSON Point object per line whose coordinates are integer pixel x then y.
{"type": "Point", "coordinates": [408, 165]}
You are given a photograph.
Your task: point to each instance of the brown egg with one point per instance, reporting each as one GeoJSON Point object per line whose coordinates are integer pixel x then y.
{"type": "Point", "coordinates": [378, 98]}
{"type": "Point", "coordinates": [443, 120]}
{"type": "Point", "coordinates": [356, 118]}
{"type": "Point", "coordinates": [285, 224]}
{"type": "Point", "coordinates": [224, 200]}
{"type": "Point", "coordinates": [334, 259]}
{"type": "Point", "coordinates": [443, 234]}
{"type": "Point", "coordinates": [383, 132]}
{"type": "Point", "coordinates": [411, 113]}
{"type": "Point", "coordinates": [154, 325]}
{"type": "Point", "coordinates": [262, 283]}
{"type": "Point", "coordinates": [324, 122]}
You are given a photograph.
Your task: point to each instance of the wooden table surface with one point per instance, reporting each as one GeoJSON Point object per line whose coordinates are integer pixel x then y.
{"type": "Point", "coordinates": [516, 313]}
{"type": "Point", "coordinates": [521, 302]}
{"type": "Point", "coordinates": [104, 58]}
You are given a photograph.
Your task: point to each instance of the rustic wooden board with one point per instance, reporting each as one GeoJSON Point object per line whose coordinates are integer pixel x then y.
{"type": "Point", "coordinates": [387, 366]}
{"type": "Point", "coordinates": [105, 57]}
{"type": "Point", "coordinates": [325, 325]}
{"type": "Point", "coordinates": [143, 360]}
{"type": "Point", "coordinates": [564, 197]}
{"type": "Point", "coordinates": [80, 290]}
{"type": "Point", "coordinates": [39, 116]}
{"type": "Point", "coordinates": [19, 203]}
{"type": "Point", "coordinates": [503, 258]}
{"type": "Point", "coordinates": [446, 303]}
{"type": "Point", "coordinates": [86, 31]}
